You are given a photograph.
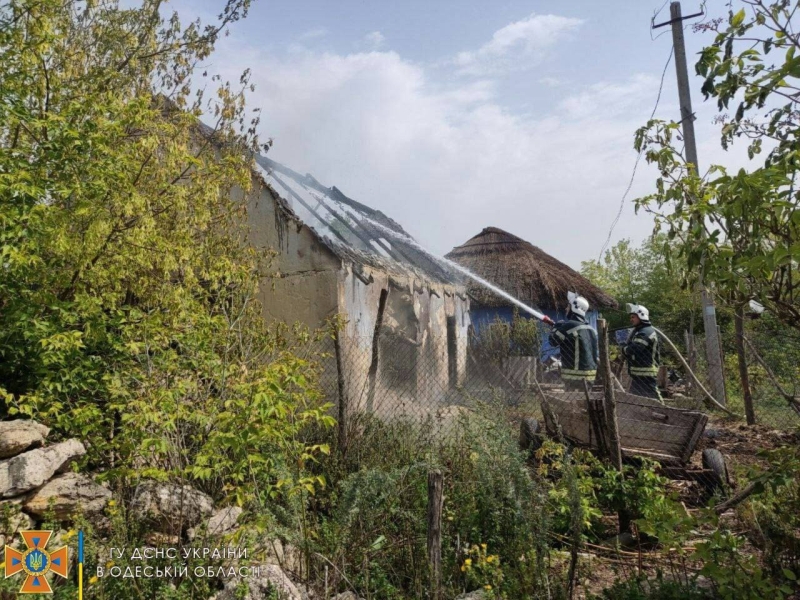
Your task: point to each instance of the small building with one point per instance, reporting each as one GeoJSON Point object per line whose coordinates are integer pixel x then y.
{"type": "Point", "coordinates": [407, 313]}
{"type": "Point", "coordinates": [527, 273]}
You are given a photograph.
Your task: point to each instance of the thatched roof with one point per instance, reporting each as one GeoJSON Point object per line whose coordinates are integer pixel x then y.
{"type": "Point", "coordinates": [524, 271]}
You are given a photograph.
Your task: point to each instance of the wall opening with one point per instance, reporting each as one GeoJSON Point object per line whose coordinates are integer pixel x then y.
{"type": "Point", "coordinates": [452, 352]}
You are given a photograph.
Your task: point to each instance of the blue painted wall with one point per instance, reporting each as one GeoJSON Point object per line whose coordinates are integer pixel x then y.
{"type": "Point", "coordinates": [483, 316]}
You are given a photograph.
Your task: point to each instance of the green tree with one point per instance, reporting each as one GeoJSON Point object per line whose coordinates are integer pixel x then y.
{"type": "Point", "coordinates": [128, 313]}
{"type": "Point", "coordinates": [647, 276]}
{"type": "Point", "coordinates": [742, 228]}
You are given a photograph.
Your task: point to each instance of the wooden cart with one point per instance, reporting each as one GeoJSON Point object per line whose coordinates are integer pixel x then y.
{"type": "Point", "coordinates": [646, 427]}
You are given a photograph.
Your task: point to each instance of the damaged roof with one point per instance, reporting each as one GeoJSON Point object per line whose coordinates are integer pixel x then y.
{"type": "Point", "coordinates": [353, 231]}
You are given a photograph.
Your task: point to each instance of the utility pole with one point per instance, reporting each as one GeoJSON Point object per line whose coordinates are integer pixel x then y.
{"type": "Point", "coordinates": [713, 349]}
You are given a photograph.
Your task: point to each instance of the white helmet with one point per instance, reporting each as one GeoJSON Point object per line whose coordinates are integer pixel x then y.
{"type": "Point", "coordinates": [577, 304]}
{"type": "Point", "coordinates": [640, 311]}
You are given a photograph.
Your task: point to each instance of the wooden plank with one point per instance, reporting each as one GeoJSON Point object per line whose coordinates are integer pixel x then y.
{"type": "Point", "coordinates": [665, 434]}
{"type": "Point", "coordinates": [666, 459]}
{"type": "Point", "coordinates": [572, 426]}
{"type": "Point", "coordinates": [691, 443]}
{"type": "Point", "coordinates": [661, 414]}
{"type": "Point", "coordinates": [646, 427]}
{"type": "Point", "coordinates": [634, 399]}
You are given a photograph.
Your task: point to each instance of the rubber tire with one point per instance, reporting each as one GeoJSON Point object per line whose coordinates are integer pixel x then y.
{"type": "Point", "coordinates": [530, 438]}
{"type": "Point", "coordinates": [714, 461]}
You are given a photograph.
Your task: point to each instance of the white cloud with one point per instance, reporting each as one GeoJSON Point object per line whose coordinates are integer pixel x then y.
{"type": "Point", "coordinates": [374, 39]}
{"type": "Point", "coordinates": [552, 82]}
{"type": "Point", "coordinates": [316, 32]}
{"type": "Point", "coordinates": [447, 161]}
{"type": "Point", "coordinates": [518, 45]}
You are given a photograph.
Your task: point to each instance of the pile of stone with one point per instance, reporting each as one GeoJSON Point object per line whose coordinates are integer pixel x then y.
{"type": "Point", "coordinates": [36, 478]}
{"type": "Point", "coordinates": [37, 481]}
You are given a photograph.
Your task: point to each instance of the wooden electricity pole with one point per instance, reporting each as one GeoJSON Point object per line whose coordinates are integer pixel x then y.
{"type": "Point", "coordinates": [713, 348]}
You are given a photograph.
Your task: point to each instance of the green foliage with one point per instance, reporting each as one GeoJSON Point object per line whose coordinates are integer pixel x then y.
{"type": "Point", "coordinates": [128, 314]}
{"type": "Point", "coordinates": [742, 228]}
{"type": "Point", "coordinates": [652, 589]}
{"type": "Point", "coordinates": [372, 521]}
{"type": "Point", "coordinates": [640, 491]}
{"type": "Point", "coordinates": [649, 275]}
{"type": "Point", "coordinates": [483, 570]}
{"type": "Point", "coordinates": [501, 339]}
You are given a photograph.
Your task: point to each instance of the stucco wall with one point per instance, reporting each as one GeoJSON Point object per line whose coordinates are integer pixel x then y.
{"type": "Point", "coordinates": [305, 283]}
{"type": "Point", "coordinates": [412, 377]}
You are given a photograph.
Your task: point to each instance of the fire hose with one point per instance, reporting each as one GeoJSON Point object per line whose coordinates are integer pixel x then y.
{"type": "Point", "coordinates": [691, 373]}
{"type": "Point", "coordinates": [696, 381]}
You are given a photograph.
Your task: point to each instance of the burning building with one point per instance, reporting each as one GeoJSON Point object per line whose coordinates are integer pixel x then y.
{"type": "Point", "coordinates": [407, 314]}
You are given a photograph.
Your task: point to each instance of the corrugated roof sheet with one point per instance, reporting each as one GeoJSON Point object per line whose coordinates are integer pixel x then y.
{"type": "Point", "coordinates": [353, 231]}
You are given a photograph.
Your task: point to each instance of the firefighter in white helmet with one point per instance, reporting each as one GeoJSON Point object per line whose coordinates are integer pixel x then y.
{"type": "Point", "coordinates": [577, 341]}
{"type": "Point", "coordinates": [642, 353]}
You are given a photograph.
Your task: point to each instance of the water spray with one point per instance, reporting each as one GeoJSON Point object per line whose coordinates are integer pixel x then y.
{"type": "Point", "coordinates": [463, 270]}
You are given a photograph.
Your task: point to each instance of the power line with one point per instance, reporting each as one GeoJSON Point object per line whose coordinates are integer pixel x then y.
{"type": "Point", "coordinates": [636, 164]}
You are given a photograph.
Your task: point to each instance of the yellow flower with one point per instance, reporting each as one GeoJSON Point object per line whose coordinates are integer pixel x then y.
{"type": "Point", "coordinates": [468, 562]}
{"type": "Point", "coordinates": [93, 580]}
{"type": "Point", "coordinates": [483, 546]}
{"type": "Point", "coordinates": [487, 587]}
{"type": "Point", "coordinates": [112, 502]}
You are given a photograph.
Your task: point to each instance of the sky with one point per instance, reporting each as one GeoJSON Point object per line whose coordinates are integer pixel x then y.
{"type": "Point", "coordinates": [454, 116]}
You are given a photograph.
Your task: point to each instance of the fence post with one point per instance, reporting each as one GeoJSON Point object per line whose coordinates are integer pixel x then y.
{"type": "Point", "coordinates": [610, 413]}
{"type": "Point", "coordinates": [610, 404]}
{"type": "Point", "coordinates": [342, 388]}
{"type": "Point", "coordinates": [435, 503]}
{"type": "Point", "coordinates": [743, 374]}
{"type": "Point", "coordinates": [690, 357]}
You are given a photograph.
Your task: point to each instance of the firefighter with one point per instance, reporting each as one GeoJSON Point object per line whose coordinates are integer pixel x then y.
{"type": "Point", "coordinates": [643, 354]}
{"type": "Point", "coordinates": [577, 341]}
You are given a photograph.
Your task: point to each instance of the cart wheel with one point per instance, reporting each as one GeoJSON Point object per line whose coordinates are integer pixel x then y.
{"type": "Point", "coordinates": [713, 461]}
{"type": "Point", "coordinates": [529, 437]}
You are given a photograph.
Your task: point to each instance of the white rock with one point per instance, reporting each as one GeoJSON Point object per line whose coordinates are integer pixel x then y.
{"type": "Point", "coordinates": [69, 493]}
{"type": "Point", "coordinates": [476, 595]}
{"type": "Point", "coordinates": [348, 595]}
{"type": "Point", "coordinates": [18, 436]}
{"type": "Point", "coordinates": [223, 521]}
{"type": "Point", "coordinates": [271, 580]}
{"type": "Point", "coordinates": [33, 468]}
{"type": "Point", "coordinates": [169, 507]}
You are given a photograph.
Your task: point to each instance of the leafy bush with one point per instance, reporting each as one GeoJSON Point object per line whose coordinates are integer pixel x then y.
{"type": "Point", "coordinates": [652, 589]}
{"type": "Point", "coordinates": [129, 316]}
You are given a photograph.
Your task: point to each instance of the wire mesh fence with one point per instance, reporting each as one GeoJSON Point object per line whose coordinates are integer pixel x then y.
{"type": "Point", "coordinates": [430, 383]}
{"type": "Point", "coordinates": [430, 401]}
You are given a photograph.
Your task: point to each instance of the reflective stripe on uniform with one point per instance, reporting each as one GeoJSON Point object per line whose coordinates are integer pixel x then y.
{"type": "Point", "coordinates": [644, 371]}
{"type": "Point", "coordinates": [577, 378]}
{"type": "Point", "coordinates": [583, 372]}
{"type": "Point", "coordinates": [576, 374]}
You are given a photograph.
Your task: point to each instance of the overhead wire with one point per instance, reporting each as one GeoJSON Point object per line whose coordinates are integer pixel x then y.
{"type": "Point", "coordinates": [638, 158]}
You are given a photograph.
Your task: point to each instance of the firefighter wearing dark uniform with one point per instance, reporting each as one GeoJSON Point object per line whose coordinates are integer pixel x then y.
{"type": "Point", "coordinates": [577, 342]}
{"type": "Point", "coordinates": [643, 354]}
